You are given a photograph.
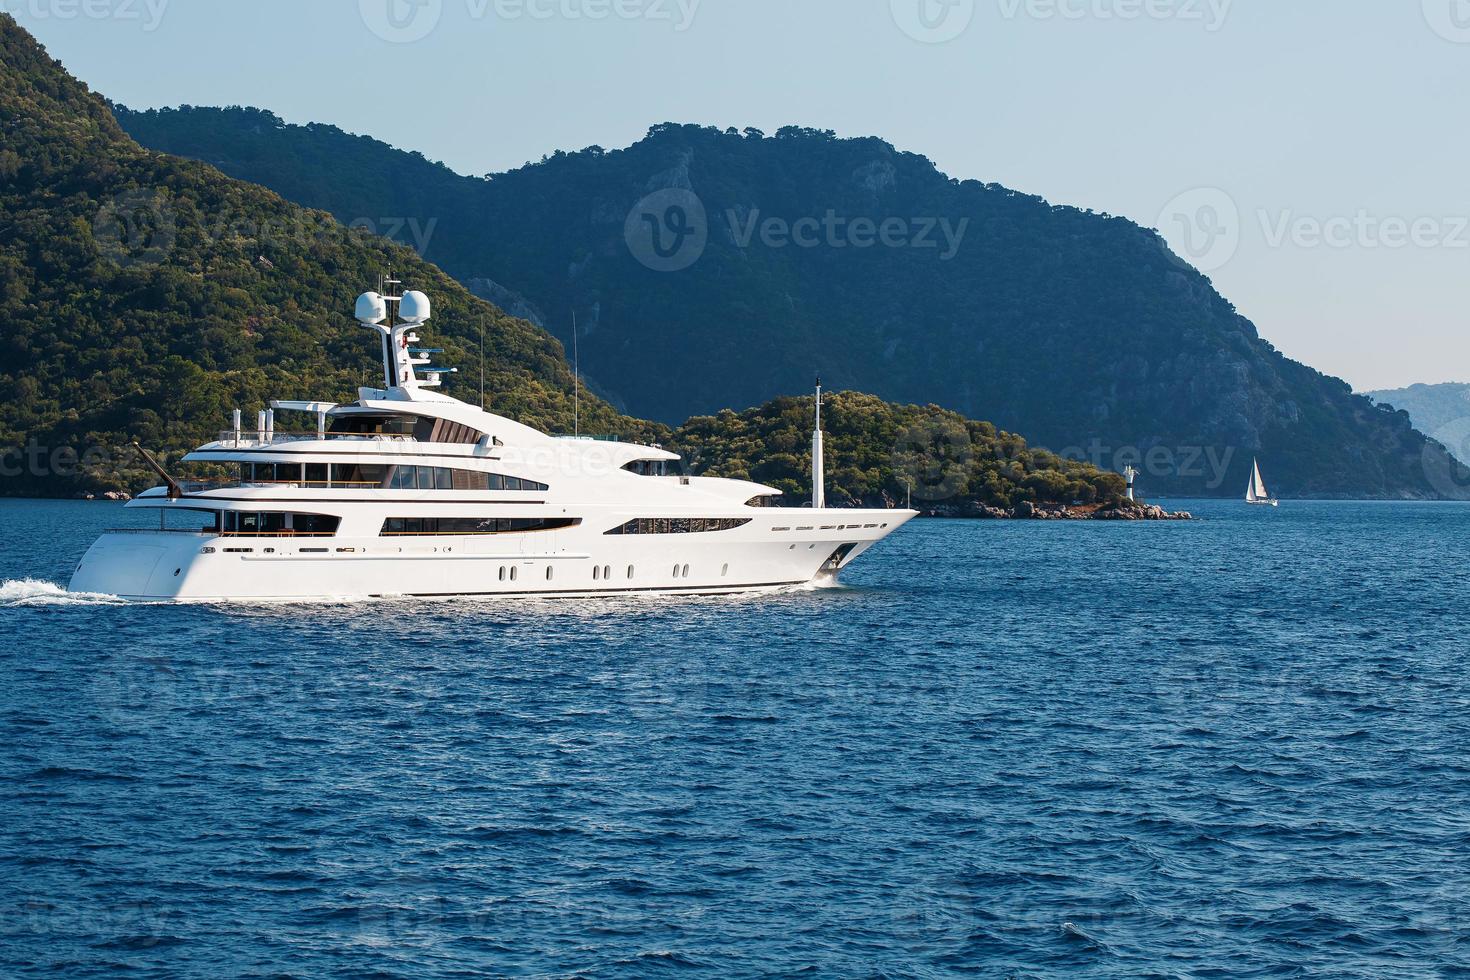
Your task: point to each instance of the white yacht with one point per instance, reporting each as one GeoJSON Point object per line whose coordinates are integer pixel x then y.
{"type": "Point", "coordinates": [408, 492]}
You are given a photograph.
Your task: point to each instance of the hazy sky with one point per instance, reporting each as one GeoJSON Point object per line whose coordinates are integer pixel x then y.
{"type": "Point", "coordinates": [1312, 155]}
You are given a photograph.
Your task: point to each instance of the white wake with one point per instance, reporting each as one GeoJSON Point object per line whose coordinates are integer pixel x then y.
{"type": "Point", "coordinates": [33, 592]}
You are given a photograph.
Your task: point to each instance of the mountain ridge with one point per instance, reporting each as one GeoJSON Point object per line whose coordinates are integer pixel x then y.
{"type": "Point", "coordinates": [1440, 410]}
{"type": "Point", "coordinates": [1081, 331]}
{"type": "Point", "coordinates": [142, 296]}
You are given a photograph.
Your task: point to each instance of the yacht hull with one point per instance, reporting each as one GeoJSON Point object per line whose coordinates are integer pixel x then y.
{"type": "Point", "coordinates": [172, 566]}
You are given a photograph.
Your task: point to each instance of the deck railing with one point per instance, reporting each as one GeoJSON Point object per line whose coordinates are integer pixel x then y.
{"type": "Point", "coordinates": [203, 533]}
{"type": "Point", "coordinates": [204, 486]}
{"type": "Point", "coordinates": [254, 438]}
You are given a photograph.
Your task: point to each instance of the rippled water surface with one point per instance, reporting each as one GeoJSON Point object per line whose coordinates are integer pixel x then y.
{"type": "Point", "coordinates": [1238, 746]}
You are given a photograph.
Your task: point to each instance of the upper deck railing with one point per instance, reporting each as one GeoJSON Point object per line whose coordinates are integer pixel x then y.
{"type": "Point", "coordinates": [204, 486]}
{"type": "Point", "coordinates": [235, 439]}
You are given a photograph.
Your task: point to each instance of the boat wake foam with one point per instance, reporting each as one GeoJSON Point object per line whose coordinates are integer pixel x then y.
{"type": "Point", "coordinates": [33, 592]}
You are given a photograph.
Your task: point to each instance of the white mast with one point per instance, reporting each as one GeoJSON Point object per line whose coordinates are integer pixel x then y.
{"type": "Point", "coordinates": [577, 380]}
{"type": "Point", "coordinates": [819, 477]}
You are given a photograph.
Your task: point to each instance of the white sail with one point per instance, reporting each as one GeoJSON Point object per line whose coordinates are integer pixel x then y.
{"type": "Point", "coordinates": [1256, 493]}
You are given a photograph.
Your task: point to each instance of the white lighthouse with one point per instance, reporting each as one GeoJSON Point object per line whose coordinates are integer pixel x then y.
{"type": "Point", "coordinates": [1132, 476]}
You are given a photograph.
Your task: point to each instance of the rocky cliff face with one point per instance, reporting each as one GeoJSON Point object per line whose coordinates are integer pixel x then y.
{"type": "Point", "coordinates": [712, 269]}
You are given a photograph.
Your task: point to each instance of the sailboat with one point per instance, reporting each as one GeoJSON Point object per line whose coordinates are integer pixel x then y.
{"type": "Point", "coordinates": [1256, 493]}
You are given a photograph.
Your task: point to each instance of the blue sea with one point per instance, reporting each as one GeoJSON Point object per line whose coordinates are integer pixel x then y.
{"type": "Point", "coordinates": [1233, 747]}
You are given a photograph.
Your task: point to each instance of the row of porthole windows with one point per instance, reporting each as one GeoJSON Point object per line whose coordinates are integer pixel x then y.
{"type": "Point", "coordinates": [600, 573]}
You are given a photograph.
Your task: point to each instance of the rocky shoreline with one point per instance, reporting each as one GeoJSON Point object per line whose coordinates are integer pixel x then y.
{"type": "Point", "coordinates": [1120, 511]}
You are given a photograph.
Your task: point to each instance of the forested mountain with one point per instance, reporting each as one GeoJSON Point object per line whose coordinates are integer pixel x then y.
{"type": "Point", "coordinates": [1443, 411]}
{"type": "Point", "coordinates": [709, 269]}
{"type": "Point", "coordinates": [142, 296]}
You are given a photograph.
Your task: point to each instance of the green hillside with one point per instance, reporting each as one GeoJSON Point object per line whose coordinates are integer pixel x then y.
{"type": "Point", "coordinates": [878, 455]}
{"type": "Point", "coordinates": [142, 296]}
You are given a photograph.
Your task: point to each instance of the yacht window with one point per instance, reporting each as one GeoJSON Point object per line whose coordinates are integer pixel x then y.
{"type": "Point", "coordinates": [447, 478]}
{"type": "Point", "coordinates": [395, 526]}
{"type": "Point", "coordinates": [277, 524]}
{"type": "Point", "coordinates": [680, 525]}
{"type": "Point", "coordinates": [357, 475]}
{"type": "Point", "coordinates": [316, 474]}
{"type": "Point", "coordinates": [315, 524]}
{"type": "Point", "coordinates": [371, 425]}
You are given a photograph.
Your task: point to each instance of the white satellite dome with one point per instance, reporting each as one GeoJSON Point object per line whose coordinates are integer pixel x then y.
{"type": "Point", "coordinates": [371, 308]}
{"type": "Point", "coordinates": [413, 307]}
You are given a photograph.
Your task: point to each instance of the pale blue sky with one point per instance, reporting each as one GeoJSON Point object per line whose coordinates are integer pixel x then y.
{"type": "Point", "coordinates": [1338, 121]}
